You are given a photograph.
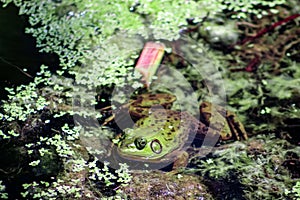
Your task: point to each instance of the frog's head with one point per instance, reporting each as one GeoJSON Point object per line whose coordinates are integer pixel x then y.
{"type": "Point", "coordinates": [158, 136]}
{"type": "Point", "coordinates": [143, 143]}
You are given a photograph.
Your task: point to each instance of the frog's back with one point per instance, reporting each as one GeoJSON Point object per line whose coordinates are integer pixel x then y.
{"type": "Point", "coordinates": [177, 128]}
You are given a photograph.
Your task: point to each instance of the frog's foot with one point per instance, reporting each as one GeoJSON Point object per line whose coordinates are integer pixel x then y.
{"type": "Point", "coordinates": [227, 123]}
{"type": "Point", "coordinates": [236, 127]}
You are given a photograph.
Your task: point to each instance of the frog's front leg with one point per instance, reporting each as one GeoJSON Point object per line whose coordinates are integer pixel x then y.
{"type": "Point", "coordinates": [179, 163]}
{"type": "Point", "coordinates": [181, 160]}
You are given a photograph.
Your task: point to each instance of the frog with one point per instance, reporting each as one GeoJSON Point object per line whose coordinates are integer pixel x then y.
{"type": "Point", "coordinates": [161, 135]}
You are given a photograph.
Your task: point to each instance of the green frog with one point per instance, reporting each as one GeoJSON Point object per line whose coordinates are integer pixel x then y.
{"type": "Point", "coordinates": [161, 135]}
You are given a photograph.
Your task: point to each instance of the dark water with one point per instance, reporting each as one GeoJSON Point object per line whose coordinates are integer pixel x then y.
{"type": "Point", "coordinates": [18, 51]}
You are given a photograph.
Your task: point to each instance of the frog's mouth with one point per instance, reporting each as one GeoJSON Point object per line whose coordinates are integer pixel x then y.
{"type": "Point", "coordinates": [151, 151]}
{"type": "Point", "coordinates": [138, 162]}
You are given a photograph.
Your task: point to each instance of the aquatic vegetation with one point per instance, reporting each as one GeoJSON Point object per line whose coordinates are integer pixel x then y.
{"type": "Point", "coordinates": [261, 97]}
{"type": "Point", "coordinates": [94, 42]}
{"type": "Point", "coordinates": [3, 194]}
{"type": "Point", "coordinates": [295, 190]}
{"type": "Point", "coordinates": [240, 9]}
{"type": "Point", "coordinates": [74, 184]}
{"type": "Point", "coordinates": [258, 165]}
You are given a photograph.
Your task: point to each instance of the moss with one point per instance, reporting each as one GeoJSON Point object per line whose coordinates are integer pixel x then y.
{"type": "Point", "coordinates": [158, 184]}
{"type": "Point", "coordinates": [258, 165]}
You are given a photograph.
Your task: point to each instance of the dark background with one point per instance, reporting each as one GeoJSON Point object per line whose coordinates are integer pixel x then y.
{"type": "Point", "coordinates": [18, 50]}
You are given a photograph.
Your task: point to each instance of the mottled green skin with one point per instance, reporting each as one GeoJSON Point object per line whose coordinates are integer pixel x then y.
{"type": "Point", "coordinates": [165, 133]}
{"type": "Point", "coordinates": [140, 106]}
{"type": "Point", "coordinates": [162, 135]}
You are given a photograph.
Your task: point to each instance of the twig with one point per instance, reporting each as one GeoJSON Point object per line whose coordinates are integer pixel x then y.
{"type": "Point", "coordinates": [15, 66]}
{"type": "Point", "coordinates": [272, 27]}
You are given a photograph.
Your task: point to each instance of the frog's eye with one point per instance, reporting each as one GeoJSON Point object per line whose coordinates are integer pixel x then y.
{"type": "Point", "coordinates": [140, 143]}
{"type": "Point", "coordinates": [156, 147]}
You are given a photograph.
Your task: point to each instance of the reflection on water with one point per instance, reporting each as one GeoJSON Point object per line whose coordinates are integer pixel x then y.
{"type": "Point", "coordinates": [18, 51]}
